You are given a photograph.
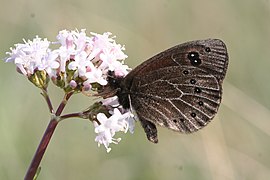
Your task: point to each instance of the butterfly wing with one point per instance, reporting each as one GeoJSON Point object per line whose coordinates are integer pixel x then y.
{"type": "Point", "coordinates": [183, 99]}
{"type": "Point", "coordinates": [210, 54]}
{"type": "Point", "coordinates": [179, 88]}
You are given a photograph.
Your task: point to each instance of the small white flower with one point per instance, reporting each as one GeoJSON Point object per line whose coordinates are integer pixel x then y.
{"type": "Point", "coordinates": [105, 49]}
{"type": "Point", "coordinates": [105, 131]}
{"type": "Point", "coordinates": [65, 53]}
{"type": "Point", "coordinates": [50, 64]}
{"type": "Point", "coordinates": [112, 101]}
{"type": "Point", "coordinates": [82, 41]}
{"type": "Point", "coordinates": [30, 55]}
{"type": "Point", "coordinates": [109, 126]}
{"type": "Point", "coordinates": [126, 114]}
{"type": "Point", "coordinates": [112, 53]}
{"type": "Point", "coordinates": [94, 75]}
{"type": "Point", "coordinates": [65, 38]}
{"type": "Point", "coordinates": [119, 68]}
{"type": "Point", "coordinates": [80, 64]}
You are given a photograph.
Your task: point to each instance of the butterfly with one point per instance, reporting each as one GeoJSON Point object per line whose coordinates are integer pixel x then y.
{"type": "Point", "coordinates": [179, 88]}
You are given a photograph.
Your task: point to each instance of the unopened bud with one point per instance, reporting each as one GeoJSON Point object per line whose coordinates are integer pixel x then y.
{"type": "Point", "coordinates": [40, 79]}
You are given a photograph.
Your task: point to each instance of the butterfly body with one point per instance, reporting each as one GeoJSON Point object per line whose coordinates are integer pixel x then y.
{"type": "Point", "coordinates": [179, 88]}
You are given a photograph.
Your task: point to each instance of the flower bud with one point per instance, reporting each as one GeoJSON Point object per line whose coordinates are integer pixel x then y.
{"type": "Point", "coordinates": [40, 79]}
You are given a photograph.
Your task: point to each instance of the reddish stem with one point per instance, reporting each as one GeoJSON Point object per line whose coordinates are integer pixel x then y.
{"type": "Point", "coordinates": [63, 104]}
{"type": "Point", "coordinates": [47, 98]}
{"type": "Point", "coordinates": [41, 150]}
{"type": "Point", "coordinates": [72, 115]}
{"type": "Point", "coordinates": [45, 140]}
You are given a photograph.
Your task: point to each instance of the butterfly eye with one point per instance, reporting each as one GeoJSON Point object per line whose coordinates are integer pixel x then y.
{"type": "Point", "coordinates": [194, 58]}
{"type": "Point", "coordinates": [112, 81]}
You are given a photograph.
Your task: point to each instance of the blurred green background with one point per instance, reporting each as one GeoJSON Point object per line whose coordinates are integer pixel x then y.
{"type": "Point", "coordinates": [236, 145]}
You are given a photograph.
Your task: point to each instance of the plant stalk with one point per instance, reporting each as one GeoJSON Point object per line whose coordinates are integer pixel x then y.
{"type": "Point", "coordinates": [46, 139]}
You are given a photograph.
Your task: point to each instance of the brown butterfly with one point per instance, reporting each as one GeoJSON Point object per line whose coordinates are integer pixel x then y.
{"type": "Point", "coordinates": [179, 88]}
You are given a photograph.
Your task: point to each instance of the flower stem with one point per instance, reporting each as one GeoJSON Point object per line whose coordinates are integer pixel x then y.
{"type": "Point", "coordinates": [48, 100]}
{"type": "Point", "coordinates": [41, 150]}
{"type": "Point", "coordinates": [63, 103]}
{"type": "Point", "coordinates": [71, 115]}
{"type": "Point", "coordinates": [46, 139]}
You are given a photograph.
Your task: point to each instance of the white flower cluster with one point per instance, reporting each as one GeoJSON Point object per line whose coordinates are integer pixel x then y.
{"type": "Point", "coordinates": [120, 120]}
{"type": "Point", "coordinates": [89, 59]}
{"type": "Point", "coordinates": [33, 55]}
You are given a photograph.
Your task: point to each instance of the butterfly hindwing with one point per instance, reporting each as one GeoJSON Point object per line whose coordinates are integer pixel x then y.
{"type": "Point", "coordinates": [171, 98]}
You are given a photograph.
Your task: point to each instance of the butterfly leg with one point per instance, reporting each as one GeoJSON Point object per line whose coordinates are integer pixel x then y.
{"type": "Point", "coordinates": [150, 130]}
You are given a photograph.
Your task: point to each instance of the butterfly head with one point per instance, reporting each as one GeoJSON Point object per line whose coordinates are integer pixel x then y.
{"type": "Point", "coordinates": [113, 80]}
{"type": "Point", "coordinates": [112, 87]}
{"type": "Point", "coordinates": [115, 87]}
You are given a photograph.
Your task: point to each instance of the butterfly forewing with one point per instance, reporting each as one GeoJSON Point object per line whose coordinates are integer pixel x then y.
{"type": "Point", "coordinates": [212, 54]}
